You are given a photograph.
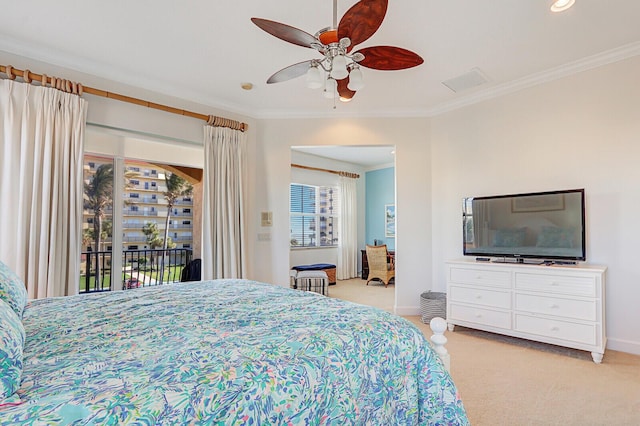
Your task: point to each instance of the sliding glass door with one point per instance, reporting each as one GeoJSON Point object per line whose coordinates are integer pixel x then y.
{"type": "Point", "coordinates": [138, 225]}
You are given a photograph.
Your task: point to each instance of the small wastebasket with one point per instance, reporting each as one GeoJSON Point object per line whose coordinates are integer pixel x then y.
{"type": "Point", "coordinates": [433, 304]}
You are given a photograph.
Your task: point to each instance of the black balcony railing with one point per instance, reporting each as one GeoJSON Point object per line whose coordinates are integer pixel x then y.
{"type": "Point", "coordinates": [140, 268]}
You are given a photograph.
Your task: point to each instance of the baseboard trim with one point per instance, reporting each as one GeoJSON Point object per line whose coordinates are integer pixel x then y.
{"type": "Point", "coordinates": [621, 345]}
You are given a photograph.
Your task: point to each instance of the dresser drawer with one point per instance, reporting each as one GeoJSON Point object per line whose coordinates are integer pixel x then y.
{"type": "Point", "coordinates": [561, 330]}
{"type": "Point", "coordinates": [568, 308]}
{"type": "Point", "coordinates": [480, 316]}
{"type": "Point", "coordinates": [480, 296]}
{"type": "Point", "coordinates": [480, 277]}
{"type": "Point", "coordinates": [561, 284]}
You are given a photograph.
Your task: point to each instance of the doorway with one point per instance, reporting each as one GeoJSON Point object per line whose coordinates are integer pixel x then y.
{"type": "Point", "coordinates": [375, 166]}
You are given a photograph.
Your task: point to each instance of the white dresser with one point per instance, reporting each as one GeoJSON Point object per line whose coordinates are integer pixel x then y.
{"type": "Point", "coordinates": [561, 305]}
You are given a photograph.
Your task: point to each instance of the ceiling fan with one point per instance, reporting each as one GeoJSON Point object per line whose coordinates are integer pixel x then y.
{"type": "Point", "coordinates": [338, 70]}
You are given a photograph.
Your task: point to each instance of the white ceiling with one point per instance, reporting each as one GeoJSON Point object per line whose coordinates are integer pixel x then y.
{"type": "Point", "coordinates": [203, 50]}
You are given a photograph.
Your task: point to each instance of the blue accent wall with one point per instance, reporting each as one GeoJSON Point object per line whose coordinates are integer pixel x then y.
{"type": "Point", "coordinates": [379, 190]}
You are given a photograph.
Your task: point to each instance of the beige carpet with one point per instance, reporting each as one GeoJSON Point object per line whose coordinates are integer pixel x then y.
{"type": "Point", "coordinates": [507, 381]}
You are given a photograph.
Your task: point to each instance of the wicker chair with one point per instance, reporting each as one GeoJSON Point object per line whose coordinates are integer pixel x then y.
{"type": "Point", "coordinates": [378, 266]}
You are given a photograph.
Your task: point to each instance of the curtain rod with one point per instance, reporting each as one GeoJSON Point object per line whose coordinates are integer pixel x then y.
{"type": "Point", "coordinates": [79, 89]}
{"type": "Point", "coordinates": [345, 174]}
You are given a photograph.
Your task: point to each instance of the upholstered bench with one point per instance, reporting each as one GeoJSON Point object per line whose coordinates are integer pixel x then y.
{"type": "Point", "coordinates": [315, 281]}
{"type": "Point", "coordinates": [328, 268]}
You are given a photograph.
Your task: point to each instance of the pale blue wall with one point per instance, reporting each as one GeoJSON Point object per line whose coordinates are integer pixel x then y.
{"type": "Point", "coordinates": [380, 190]}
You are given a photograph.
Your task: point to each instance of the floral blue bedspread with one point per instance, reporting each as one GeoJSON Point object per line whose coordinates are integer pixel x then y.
{"type": "Point", "coordinates": [226, 352]}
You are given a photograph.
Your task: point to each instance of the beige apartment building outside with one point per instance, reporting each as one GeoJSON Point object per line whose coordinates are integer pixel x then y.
{"type": "Point", "coordinates": [144, 203]}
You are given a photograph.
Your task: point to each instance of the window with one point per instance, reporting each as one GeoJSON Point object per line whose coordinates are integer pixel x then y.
{"type": "Point", "coordinates": [134, 195]}
{"type": "Point", "coordinates": [314, 215]}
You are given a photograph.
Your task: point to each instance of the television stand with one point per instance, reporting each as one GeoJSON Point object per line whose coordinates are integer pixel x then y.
{"type": "Point", "coordinates": [560, 305]}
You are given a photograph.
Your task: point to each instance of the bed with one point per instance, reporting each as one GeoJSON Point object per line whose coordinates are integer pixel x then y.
{"type": "Point", "coordinates": [228, 352]}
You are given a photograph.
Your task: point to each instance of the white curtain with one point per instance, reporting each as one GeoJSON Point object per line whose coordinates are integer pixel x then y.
{"type": "Point", "coordinates": [223, 245]}
{"type": "Point", "coordinates": [348, 248]}
{"type": "Point", "coordinates": [42, 131]}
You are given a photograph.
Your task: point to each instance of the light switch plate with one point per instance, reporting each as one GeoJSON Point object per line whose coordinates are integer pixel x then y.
{"type": "Point", "coordinates": [266, 218]}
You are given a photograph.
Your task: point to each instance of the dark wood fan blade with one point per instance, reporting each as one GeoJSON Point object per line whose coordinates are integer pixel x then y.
{"type": "Point", "coordinates": [389, 58]}
{"type": "Point", "coordinates": [343, 90]}
{"type": "Point", "coordinates": [286, 32]}
{"type": "Point", "coordinates": [362, 20]}
{"type": "Point", "coordinates": [292, 71]}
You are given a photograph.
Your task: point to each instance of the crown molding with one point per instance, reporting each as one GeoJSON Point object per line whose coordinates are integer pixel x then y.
{"type": "Point", "coordinates": [107, 72]}
{"type": "Point", "coordinates": [585, 64]}
{"type": "Point", "coordinates": [103, 71]}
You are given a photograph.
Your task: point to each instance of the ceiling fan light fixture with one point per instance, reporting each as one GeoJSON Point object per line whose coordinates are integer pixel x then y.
{"type": "Point", "coordinates": [330, 88]}
{"type": "Point", "coordinates": [356, 80]}
{"type": "Point", "coordinates": [315, 78]}
{"type": "Point", "coordinates": [561, 5]}
{"type": "Point", "coordinates": [339, 67]}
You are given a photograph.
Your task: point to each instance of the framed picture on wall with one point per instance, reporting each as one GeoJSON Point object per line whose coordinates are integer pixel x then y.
{"type": "Point", "coordinates": [390, 220]}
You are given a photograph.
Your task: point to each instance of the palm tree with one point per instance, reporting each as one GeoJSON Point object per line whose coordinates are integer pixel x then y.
{"type": "Point", "coordinates": [98, 196]}
{"type": "Point", "coordinates": [150, 230]}
{"type": "Point", "coordinates": [176, 187]}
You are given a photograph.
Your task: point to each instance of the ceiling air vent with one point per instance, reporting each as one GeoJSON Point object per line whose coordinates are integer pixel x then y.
{"type": "Point", "coordinates": [466, 81]}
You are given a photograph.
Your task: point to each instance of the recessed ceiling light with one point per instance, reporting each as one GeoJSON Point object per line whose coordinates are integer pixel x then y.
{"type": "Point", "coordinates": [247, 86]}
{"type": "Point", "coordinates": [561, 5]}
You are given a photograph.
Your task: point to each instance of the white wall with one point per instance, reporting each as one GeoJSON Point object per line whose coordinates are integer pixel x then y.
{"type": "Point", "coordinates": [106, 142]}
{"type": "Point", "coordinates": [581, 131]}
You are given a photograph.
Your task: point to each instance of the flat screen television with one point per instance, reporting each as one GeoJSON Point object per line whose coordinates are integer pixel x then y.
{"type": "Point", "coordinates": [541, 226]}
